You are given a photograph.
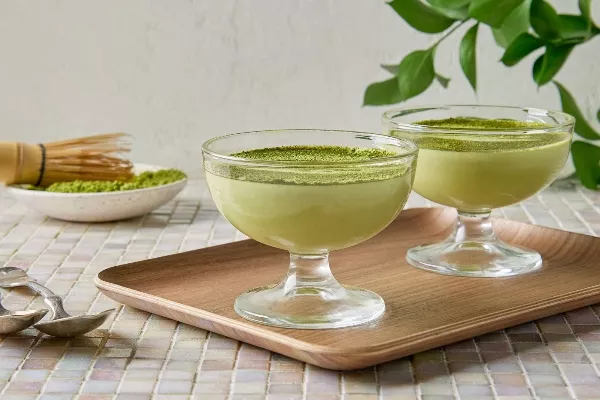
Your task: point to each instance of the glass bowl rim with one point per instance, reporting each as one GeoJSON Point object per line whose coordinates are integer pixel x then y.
{"type": "Point", "coordinates": [409, 148]}
{"type": "Point", "coordinates": [568, 123]}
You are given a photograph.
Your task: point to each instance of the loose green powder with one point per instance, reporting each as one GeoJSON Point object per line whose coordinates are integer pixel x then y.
{"type": "Point", "coordinates": [316, 154]}
{"type": "Point", "coordinates": [314, 168]}
{"type": "Point", "coordinates": [472, 123]}
{"type": "Point", "coordinates": [486, 136]}
{"type": "Point", "coordinates": [142, 181]}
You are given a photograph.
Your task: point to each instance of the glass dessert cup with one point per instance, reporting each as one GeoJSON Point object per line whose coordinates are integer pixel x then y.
{"type": "Point", "coordinates": [475, 159]}
{"type": "Point", "coordinates": [309, 207]}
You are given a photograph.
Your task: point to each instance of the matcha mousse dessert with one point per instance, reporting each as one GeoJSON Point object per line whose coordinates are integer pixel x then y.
{"type": "Point", "coordinates": [476, 159]}
{"type": "Point", "coordinates": [474, 171]}
{"type": "Point", "coordinates": [310, 210]}
{"type": "Point", "coordinates": [301, 192]}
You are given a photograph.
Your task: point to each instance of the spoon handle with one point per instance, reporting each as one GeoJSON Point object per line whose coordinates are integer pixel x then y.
{"type": "Point", "coordinates": [41, 289]}
{"type": "Point", "coordinates": [54, 302]}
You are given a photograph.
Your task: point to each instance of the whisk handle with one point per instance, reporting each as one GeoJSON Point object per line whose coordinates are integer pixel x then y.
{"type": "Point", "coordinates": [19, 163]}
{"type": "Point", "coordinates": [9, 162]}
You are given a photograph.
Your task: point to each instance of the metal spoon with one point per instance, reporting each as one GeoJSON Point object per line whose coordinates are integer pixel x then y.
{"type": "Point", "coordinates": [61, 324]}
{"type": "Point", "coordinates": [16, 321]}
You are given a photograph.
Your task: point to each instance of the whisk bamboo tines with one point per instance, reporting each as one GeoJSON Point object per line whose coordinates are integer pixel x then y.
{"type": "Point", "coordinates": [88, 158]}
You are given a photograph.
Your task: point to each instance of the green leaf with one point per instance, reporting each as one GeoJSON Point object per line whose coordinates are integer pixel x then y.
{"type": "Point", "coordinates": [416, 73]}
{"type": "Point", "coordinates": [520, 48]}
{"type": "Point", "coordinates": [544, 20]}
{"type": "Point", "coordinates": [382, 93]}
{"type": "Point", "coordinates": [585, 7]}
{"type": "Point", "coordinates": [549, 63]}
{"type": "Point", "coordinates": [586, 158]}
{"type": "Point", "coordinates": [458, 14]}
{"type": "Point", "coordinates": [442, 80]}
{"type": "Point", "coordinates": [455, 9]}
{"type": "Point", "coordinates": [492, 12]}
{"type": "Point", "coordinates": [468, 59]}
{"type": "Point", "coordinates": [453, 4]}
{"type": "Point", "coordinates": [420, 16]}
{"type": "Point", "coordinates": [582, 128]}
{"type": "Point", "coordinates": [392, 69]}
{"type": "Point", "coordinates": [598, 115]}
{"type": "Point", "coordinates": [573, 28]}
{"type": "Point", "coordinates": [516, 23]}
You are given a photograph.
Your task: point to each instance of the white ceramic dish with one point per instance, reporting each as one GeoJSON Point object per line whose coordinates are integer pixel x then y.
{"type": "Point", "coordinates": [99, 207]}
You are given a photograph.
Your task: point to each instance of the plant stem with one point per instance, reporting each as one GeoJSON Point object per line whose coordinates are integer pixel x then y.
{"type": "Point", "coordinates": [449, 32]}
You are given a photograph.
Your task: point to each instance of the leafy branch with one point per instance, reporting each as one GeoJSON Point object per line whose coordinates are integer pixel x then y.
{"type": "Point", "coordinates": [520, 27]}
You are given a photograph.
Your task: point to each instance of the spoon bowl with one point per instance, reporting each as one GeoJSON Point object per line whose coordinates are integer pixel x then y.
{"type": "Point", "coordinates": [74, 325]}
{"type": "Point", "coordinates": [13, 277]}
{"type": "Point", "coordinates": [16, 321]}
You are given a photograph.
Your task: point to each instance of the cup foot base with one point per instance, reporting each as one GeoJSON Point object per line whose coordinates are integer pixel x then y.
{"type": "Point", "coordinates": [310, 307]}
{"type": "Point", "coordinates": [474, 259]}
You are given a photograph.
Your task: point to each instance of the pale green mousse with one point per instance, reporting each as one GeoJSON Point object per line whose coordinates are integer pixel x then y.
{"type": "Point", "coordinates": [319, 202]}
{"type": "Point", "coordinates": [483, 164]}
{"type": "Point", "coordinates": [144, 180]}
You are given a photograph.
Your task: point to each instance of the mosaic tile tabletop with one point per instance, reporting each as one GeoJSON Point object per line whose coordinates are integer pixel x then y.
{"type": "Point", "coordinates": [138, 356]}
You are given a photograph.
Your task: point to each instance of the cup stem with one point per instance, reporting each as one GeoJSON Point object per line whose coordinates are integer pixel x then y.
{"type": "Point", "coordinates": [473, 227]}
{"type": "Point", "coordinates": [309, 272]}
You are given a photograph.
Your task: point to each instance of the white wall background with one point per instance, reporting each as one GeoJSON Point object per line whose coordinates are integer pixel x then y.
{"type": "Point", "coordinates": [176, 72]}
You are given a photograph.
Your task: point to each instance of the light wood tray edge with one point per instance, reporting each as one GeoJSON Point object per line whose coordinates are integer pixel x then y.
{"type": "Point", "coordinates": [346, 358]}
{"type": "Point", "coordinates": [112, 290]}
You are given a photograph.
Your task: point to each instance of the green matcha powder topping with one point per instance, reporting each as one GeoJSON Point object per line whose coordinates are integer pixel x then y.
{"type": "Point", "coordinates": [314, 168]}
{"type": "Point", "coordinates": [317, 154]}
{"type": "Point", "coordinates": [487, 135]}
{"type": "Point", "coordinates": [472, 123]}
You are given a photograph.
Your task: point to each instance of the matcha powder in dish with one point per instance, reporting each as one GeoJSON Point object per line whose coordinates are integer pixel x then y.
{"type": "Point", "coordinates": [145, 180]}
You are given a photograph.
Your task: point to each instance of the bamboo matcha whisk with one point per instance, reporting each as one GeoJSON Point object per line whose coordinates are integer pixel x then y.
{"type": "Point", "coordinates": [87, 158]}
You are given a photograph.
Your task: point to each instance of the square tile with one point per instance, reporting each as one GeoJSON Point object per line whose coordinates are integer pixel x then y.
{"type": "Point", "coordinates": [62, 386]}
{"type": "Point", "coordinates": [174, 387]}
{"type": "Point", "coordinates": [137, 386]}
{"type": "Point", "coordinates": [101, 387]}
{"type": "Point", "coordinates": [212, 388]}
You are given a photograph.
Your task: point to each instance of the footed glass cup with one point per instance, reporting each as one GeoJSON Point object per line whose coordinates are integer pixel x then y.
{"type": "Point", "coordinates": [309, 208]}
{"type": "Point", "coordinates": [475, 159]}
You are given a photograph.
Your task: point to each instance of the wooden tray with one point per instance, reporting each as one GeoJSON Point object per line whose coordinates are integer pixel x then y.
{"type": "Point", "coordinates": [424, 310]}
